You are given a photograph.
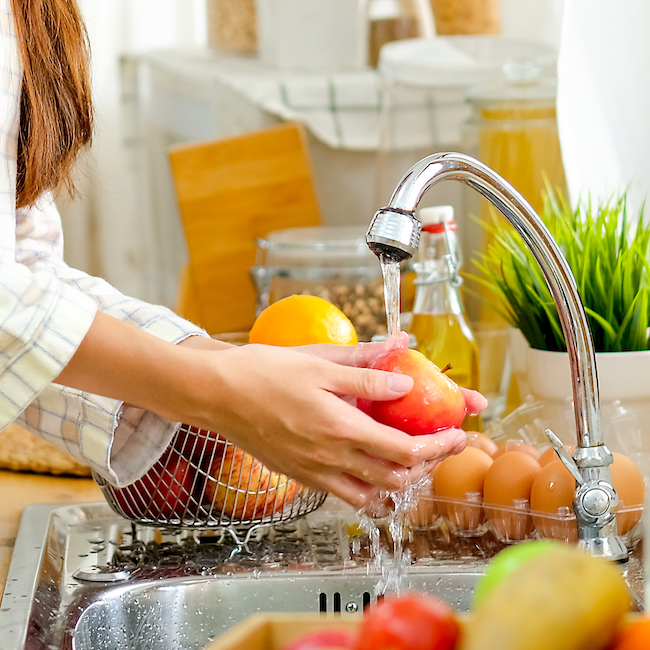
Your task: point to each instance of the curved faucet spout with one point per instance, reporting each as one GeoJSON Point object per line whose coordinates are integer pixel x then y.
{"type": "Point", "coordinates": [395, 231]}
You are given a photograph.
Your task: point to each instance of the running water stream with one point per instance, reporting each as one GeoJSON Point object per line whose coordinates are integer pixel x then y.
{"type": "Point", "coordinates": [393, 567]}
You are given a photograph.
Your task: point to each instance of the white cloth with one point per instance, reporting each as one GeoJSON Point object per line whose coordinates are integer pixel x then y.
{"type": "Point", "coordinates": [46, 308]}
{"type": "Point", "coordinates": [603, 98]}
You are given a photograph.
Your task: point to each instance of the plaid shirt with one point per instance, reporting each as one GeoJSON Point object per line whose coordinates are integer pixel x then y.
{"type": "Point", "coordinates": [46, 308]}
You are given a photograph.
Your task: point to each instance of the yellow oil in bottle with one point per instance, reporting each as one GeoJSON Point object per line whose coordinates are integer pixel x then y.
{"type": "Point", "coordinates": [438, 323]}
{"type": "Point", "coordinates": [447, 340]}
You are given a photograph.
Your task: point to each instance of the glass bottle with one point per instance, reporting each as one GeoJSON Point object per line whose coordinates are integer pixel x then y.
{"type": "Point", "coordinates": [439, 323]}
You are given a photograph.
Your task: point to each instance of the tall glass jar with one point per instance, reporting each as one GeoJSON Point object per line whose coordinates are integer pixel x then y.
{"type": "Point", "coordinates": [513, 130]}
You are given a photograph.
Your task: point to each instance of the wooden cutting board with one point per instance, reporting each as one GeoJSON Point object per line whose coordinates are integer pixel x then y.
{"type": "Point", "coordinates": [230, 192]}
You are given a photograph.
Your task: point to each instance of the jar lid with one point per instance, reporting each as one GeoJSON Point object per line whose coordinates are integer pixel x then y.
{"type": "Point", "coordinates": [319, 243]}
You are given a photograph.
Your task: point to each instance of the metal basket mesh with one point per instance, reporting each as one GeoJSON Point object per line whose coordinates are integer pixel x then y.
{"type": "Point", "coordinates": [204, 481]}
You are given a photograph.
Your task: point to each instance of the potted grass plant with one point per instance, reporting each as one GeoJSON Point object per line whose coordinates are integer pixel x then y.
{"type": "Point", "coordinates": [609, 257]}
{"type": "Point", "coordinates": [608, 253]}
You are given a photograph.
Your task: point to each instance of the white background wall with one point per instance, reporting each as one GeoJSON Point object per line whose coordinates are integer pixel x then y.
{"type": "Point", "coordinates": [101, 226]}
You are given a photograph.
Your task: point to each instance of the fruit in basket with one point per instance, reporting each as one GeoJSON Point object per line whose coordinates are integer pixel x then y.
{"type": "Point", "coordinates": [552, 489]}
{"type": "Point", "coordinates": [508, 483]}
{"type": "Point", "coordinates": [198, 445]}
{"type": "Point", "coordinates": [564, 599]}
{"type": "Point", "coordinates": [435, 402]}
{"type": "Point", "coordinates": [302, 320]}
{"type": "Point", "coordinates": [460, 477]}
{"type": "Point", "coordinates": [241, 487]}
{"type": "Point", "coordinates": [413, 621]}
{"type": "Point", "coordinates": [164, 492]}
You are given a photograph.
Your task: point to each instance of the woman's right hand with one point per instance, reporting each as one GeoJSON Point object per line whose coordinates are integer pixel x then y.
{"type": "Point", "coordinates": [296, 412]}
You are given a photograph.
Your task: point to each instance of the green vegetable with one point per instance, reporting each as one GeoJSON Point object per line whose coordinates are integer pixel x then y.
{"type": "Point", "coordinates": [609, 258]}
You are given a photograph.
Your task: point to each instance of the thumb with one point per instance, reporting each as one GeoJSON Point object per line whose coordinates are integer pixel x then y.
{"type": "Point", "coordinates": [375, 385]}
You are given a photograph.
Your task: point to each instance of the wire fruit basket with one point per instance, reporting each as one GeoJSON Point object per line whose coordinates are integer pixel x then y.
{"type": "Point", "coordinates": [204, 481]}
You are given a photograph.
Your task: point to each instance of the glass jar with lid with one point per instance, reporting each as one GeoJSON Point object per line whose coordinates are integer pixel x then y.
{"type": "Point", "coordinates": [331, 262]}
{"type": "Point", "coordinates": [513, 130]}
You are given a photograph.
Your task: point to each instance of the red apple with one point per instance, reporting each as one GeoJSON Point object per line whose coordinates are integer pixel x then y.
{"type": "Point", "coordinates": [198, 446]}
{"type": "Point", "coordinates": [164, 492]}
{"type": "Point", "coordinates": [170, 481]}
{"type": "Point", "coordinates": [435, 402]}
{"type": "Point", "coordinates": [413, 621]}
{"type": "Point", "coordinates": [241, 487]}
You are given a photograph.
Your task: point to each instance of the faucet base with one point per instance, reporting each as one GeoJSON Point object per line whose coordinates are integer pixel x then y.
{"type": "Point", "coordinates": [609, 548]}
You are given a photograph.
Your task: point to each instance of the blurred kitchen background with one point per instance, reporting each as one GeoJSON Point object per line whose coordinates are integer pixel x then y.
{"type": "Point", "coordinates": [175, 71]}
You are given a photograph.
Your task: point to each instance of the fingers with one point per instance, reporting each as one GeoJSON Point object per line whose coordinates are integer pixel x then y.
{"type": "Point", "coordinates": [361, 355]}
{"type": "Point", "coordinates": [409, 451]}
{"type": "Point", "coordinates": [474, 400]}
{"type": "Point", "coordinates": [375, 385]}
{"type": "Point", "coordinates": [351, 489]}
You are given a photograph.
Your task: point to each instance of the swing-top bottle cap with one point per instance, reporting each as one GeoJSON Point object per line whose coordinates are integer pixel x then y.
{"type": "Point", "coordinates": [434, 218]}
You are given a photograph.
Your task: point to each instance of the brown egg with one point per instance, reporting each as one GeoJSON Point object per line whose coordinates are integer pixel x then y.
{"type": "Point", "coordinates": [630, 487]}
{"type": "Point", "coordinates": [480, 440]}
{"type": "Point", "coordinates": [460, 477]}
{"type": "Point", "coordinates": [507, 483]}
{"type": "Point", "coordinates": [550, 454]}
{"type": "Point", "coordinates": [552, 492]}
{"type": "Point", "coordinates": [517, 445]}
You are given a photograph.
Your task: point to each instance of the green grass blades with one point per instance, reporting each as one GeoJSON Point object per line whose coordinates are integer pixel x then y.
{"type": "Point", "coordinates": [609, 258]}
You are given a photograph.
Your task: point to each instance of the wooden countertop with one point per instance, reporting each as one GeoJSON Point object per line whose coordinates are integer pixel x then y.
{"type": "Point", "coordinates": [18, 490]}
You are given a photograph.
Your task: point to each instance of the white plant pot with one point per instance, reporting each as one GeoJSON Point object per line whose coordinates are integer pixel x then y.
{"type": "Point", "coordinates": [622, 376]}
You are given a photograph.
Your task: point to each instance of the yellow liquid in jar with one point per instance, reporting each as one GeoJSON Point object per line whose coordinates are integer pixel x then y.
{"type": "Point", "coordinates": [446, 339]}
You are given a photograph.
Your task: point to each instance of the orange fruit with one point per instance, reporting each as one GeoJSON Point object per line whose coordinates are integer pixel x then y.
{"type": "Point", "coordinates": [302, 320]}
{"type": "Point", "coordinates": [634, 635]}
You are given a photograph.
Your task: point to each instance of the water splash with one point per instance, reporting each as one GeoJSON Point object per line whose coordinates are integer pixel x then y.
{"type": "Point", "coordinates": [392, 566]}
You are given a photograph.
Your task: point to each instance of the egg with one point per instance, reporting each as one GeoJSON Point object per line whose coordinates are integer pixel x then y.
{"type": "Point", "coordinates": [550, 454]}
{"type": "Point", "coordinates": [460, 477]}
{"type": "Point", "coordinates": [507, 483]}
{"type": "Point", "coordinates": [517, 445]}
{"type": "Point", "coordinates": [630, 487]}
{"type": "Point", "coordinates": [480, 440]}
{"type": "Point", "coordinates": [552, 492]}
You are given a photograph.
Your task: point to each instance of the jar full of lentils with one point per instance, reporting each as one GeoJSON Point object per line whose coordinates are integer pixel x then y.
{"type": "Point", "coordinates": [331, 262]}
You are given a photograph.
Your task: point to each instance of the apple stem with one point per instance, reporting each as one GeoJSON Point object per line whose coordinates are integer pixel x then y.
{"type": "Point", "coordinates": [447, 367]}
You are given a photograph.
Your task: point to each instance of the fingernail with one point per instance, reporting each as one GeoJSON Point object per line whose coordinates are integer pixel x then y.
{"type": "Point", "coordinates": [400, 383]}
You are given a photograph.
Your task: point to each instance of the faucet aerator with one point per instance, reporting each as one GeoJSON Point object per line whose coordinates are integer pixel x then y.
{"type": "Point", "coordinates": [394, 234]}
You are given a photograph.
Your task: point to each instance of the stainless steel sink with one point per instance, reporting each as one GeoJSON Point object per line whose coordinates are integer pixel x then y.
{"type": "Point", "coordinates": [83, 578]}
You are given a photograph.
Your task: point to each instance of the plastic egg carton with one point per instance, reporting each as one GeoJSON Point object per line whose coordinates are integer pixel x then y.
{"type": "Point", "coordinates": [472, 518]}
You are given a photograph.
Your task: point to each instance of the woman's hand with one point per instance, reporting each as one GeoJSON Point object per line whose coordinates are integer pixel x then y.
{"type": "Point", "coordinates": [294, 409]}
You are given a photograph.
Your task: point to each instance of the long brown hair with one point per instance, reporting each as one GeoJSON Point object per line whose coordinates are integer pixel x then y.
{"type": "Point", "coordinates": [56, 112]}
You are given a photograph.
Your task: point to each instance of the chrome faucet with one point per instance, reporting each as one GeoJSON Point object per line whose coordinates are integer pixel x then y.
{"type": "Point", "coordinates": [395, 232]}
